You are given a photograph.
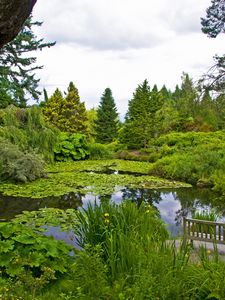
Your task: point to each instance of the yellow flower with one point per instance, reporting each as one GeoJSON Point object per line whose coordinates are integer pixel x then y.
{"type": "Point", "coordinates": [209, 251]}
{"type": "Point", "coordinates": [107, 221]}
{"type": "Point", "coordinates": [106, 215]}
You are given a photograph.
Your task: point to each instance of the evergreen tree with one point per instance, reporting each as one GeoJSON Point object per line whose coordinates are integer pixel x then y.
{"type": "Point", "coordinates": [91, 118]}
{"type": "Point", "coordinates": [67, 114]}
{"type": "Point", "coordinates": [17, 66]}
{"type": "Point", "coordinates": [106, 124]}
{"type": "Point", "coordinates": [141, 122]}
{"type": "Point", "coordinates": [73, 114]}
{"type": "Point", "coordinates": [53, 107]}
{"type": "Point", "coordinates": [186, 97]}
{"type": "Point", "coordinates": [214, 23]}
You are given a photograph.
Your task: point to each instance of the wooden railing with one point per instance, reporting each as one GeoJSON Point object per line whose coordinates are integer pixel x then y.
{"type": "Point", "coordinates": [201, 230]}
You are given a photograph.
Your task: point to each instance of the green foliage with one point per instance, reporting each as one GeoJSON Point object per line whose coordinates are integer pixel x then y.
{"type": "Point", "coordinates": [17, 66]}
{"type": "Point", "coordinates": [29, 259]}
{"type": "Point", "coordinates": [19, 166]}
{"type": "Point", "coordinates": [214, 22]}
{"type": "Point", "coordinates": [91, 117]}
{"type": "Point", "coordinates": [99, 151]}
{"type": "Point", "coordinates": [67, 114]}
{"type": "Point", "coordinates": [192, 157]}
{"type": "Point", "coordinates": [114, 228]}
{"type": "Point", "coordinates": [106, 123]}
{"type": "Point", "coordinates": [205, 215]}
{"type": "Point", "coordinates": [141, 123]}
{"type": "Point", "coordinates": [44, 218]}
{"type": "Point", "coordinates": [71, 147]}
{"type": "Point", "coordinates": [126, 255]}
{"type": "Point", "coordinates": [27, 129]}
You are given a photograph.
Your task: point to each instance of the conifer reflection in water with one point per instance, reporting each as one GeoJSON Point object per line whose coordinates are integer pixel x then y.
{"type": "Point", "coordinates": [172, 204]}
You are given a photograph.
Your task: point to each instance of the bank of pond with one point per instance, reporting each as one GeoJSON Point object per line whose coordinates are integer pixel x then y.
{"type": "Point", "coordinates": [100, 230]}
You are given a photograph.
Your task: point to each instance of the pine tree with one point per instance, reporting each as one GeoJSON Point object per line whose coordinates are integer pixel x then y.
{"type": "Point", "coordinates": [106, 124]}
{"type": "Point", "coordinates": [17, 66]}
{"type": "Point", "coordinates": [214, 23]}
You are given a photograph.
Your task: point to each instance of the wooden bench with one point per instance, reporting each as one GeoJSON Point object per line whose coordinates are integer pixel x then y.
{"type": "Point", "coordinates": [206, 231]}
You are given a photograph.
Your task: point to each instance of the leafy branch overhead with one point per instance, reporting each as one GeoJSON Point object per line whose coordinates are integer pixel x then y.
{"type": "Point", "coordinates": [212, 25]}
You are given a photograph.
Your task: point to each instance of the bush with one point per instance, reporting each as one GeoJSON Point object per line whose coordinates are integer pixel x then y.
{"type": "Point", "coordinates": [71, 147]}
{"type": "Point", "coordinates": [99, 151]}
{"type": "Point", "coordinates": [18, 166]}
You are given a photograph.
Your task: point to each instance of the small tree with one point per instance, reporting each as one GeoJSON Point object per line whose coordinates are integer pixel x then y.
{"type": "Point", "coordinates": [106, 124]}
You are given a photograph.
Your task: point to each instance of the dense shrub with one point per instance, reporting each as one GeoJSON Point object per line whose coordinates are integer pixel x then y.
{"type": "Point", "coordinates": [192, 157]}
{"type": "Point", "coordinates": [71, 147]}
{"type": "Point", "coordinates": [18, 166]}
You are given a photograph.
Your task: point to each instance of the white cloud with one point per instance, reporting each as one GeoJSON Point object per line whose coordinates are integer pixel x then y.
{"type": "Point", "coordinates": [119, 43]}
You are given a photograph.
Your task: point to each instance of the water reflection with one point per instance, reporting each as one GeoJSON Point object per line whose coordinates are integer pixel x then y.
{"type": "Point", "coordinates": [172, 204]}
{"type": "Point", "coordinates": [12, 206]}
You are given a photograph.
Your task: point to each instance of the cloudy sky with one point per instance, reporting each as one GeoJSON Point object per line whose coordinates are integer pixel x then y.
{"type": "Point", "coordinates": [119, 43]}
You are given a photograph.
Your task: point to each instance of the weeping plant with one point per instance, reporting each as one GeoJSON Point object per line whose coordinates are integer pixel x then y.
{"type": "Point", "coordinates": [27, 129]}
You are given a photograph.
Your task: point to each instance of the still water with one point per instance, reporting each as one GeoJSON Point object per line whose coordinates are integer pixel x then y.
{"type": "Point", "coordinates": [172, 204]}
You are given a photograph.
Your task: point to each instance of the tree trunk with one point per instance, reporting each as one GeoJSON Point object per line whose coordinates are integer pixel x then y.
{"type": "Point", "coordinates": [13, 14]}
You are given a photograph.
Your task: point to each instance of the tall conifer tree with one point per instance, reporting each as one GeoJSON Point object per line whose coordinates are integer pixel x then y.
{"type": "Point", "coordinates": [106, 124]}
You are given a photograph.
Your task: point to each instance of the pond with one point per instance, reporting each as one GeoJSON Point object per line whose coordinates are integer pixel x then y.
{"type": "Point", "coordinates": [172, 204]}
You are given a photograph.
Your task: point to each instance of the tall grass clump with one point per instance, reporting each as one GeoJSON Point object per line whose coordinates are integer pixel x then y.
{"type": "Point", "coordinates": [125, 232]}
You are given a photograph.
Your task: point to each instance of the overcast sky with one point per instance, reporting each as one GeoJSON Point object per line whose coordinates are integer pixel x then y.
{"type": "Point", "coordinates": [119, 43]}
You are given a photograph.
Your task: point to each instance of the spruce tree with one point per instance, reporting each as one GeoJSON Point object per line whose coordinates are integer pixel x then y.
{"type": "Point", "coordinates": [141, 122]}
{"type": "Point", "coordinates": [106, 124]}
{"type": "Point", "coordinates": [18, 83]}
